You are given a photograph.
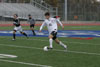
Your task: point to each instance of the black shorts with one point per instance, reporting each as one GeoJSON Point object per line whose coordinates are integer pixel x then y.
{"type": "Point", "coordinates": [54, 35]}
{"type": "Point", "coordinates": [32, 25]}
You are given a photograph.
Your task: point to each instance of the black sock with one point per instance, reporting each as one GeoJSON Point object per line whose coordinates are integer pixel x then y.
{"type": "Point", "coordinates": [25, 34]}
{"type": "Point", "coordinates": [33, 32]}
{"type": "Point", "coordinates": [14, 35]}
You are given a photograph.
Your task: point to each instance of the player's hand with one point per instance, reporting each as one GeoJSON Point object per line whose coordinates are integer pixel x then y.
{"type": "Point", "coordinates": [39, 30]}
{"type": "Point", "coordinates": [63, 27]}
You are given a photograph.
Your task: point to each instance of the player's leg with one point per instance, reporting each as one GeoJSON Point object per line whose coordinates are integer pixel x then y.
{"type": "Point", "coordinates": [32, 28]}
{"type": "Point", "coordinates": [14, 35]}
{"type": "Point", "coordinates": [60, 43]}
{"type": "Point", "coordinates": [51, 38]}
{"type": "Point", "coordinates": [51, 41]}
{"type": "Point", "coordinates": [21, 31]}
{"type": "Point", "coordinates": [24, 34]}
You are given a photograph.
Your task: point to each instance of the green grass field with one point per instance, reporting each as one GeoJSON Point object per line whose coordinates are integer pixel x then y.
{"type": "Point", "coordinates": [81, 53]}
{"type": "Point", "coordinates": [66, 28]}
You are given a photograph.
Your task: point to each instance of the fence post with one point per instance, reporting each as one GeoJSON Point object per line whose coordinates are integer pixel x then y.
{"type": "Point", "coordinates": [65, 10]}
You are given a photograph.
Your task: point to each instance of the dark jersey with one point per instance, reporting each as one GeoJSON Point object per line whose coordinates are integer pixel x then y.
{"type": "Point", "coordinates": [16, 22]}
{"type": "Point", "coordinates": [31, 21]}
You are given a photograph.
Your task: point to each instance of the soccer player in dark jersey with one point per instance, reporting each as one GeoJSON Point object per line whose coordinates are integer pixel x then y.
{"type": "Point", "coordinates": [32, 23]}
{"type": "Point", "coordinates": [17, 27]}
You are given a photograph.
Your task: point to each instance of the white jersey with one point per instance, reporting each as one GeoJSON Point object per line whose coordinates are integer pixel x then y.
{"type": "Point", "coordinates": [18, 28]}
{"type": "Point", "coordinates": [51, 24]}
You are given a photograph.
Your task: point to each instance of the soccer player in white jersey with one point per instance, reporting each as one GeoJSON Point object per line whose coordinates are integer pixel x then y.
{"type": "Point", "coordinates": [51, 24]}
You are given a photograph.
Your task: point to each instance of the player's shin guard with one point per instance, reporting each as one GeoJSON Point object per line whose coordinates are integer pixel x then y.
{"type": "Point", "coordinates": [51, 41]}
{"type": "Point", "coordinates": [62, 44]}
{"type": "Point", "coordinates": [14, 36]}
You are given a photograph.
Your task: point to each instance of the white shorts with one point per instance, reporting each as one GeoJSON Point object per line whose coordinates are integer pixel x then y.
{"type": "Point", "coordinates": [18, 29]}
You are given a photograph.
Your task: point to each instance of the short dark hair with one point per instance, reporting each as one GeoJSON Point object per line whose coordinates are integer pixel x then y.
{"type": "Point", "coordinates": [54, 17]}
{"type": "Point", "coordinates": [29, 15]}
{"type": "Point", "coordinates": [16, 15]}
{"type": "Point", "coordinates": [47, 14]}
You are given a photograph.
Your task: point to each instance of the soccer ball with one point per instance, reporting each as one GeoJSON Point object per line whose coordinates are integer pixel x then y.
{"type": "Point", "coordinates": [45, 48]}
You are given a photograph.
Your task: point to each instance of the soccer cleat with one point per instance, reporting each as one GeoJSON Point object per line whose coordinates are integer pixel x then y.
{"type": "Point", "coordinates": [13, 39]}
{"type": "Point", "coordinates": [65, 47]}
{"type": "Point", "coordinates": [49, 48]}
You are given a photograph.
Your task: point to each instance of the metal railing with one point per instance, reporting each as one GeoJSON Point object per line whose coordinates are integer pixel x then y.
{"type": "Point", "coordinates": [8, 9]}
{"type": "Point", "coordinates": [46, 7]}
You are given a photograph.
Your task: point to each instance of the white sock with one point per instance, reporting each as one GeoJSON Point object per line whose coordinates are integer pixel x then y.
{"type": "Point", "coordinates": [63, 44]}
{"type": "Point", "coordinates": [50, 40]}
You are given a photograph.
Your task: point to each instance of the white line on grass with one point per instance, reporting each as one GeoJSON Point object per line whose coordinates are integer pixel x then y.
{"type": "Point", "coordinates": [83, 43]}
{"type": "Point", "coordinates": [62, 41]}
{"type": "Point", "coordinates": [58, 50]}
{"type": "Point", "coordinates": [24, 63]}
{"type": "Point", "coordinates": [78, 52]}
{"type": "Point", "coordinates": [66, 42]}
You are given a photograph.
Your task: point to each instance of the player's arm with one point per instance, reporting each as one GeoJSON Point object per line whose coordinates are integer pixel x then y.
{"type": "Point", "coordinates": [42, 26]}
{"type": "Point", "coordinates": [60, 23]}
{"type": "Point", "coordinates": [14, 22]}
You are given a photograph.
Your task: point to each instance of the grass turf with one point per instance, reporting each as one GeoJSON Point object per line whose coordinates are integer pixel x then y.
{"type": "Point", "coordinates": [66, 28]}
{"type": "Point", "coordinates": [81, 53]}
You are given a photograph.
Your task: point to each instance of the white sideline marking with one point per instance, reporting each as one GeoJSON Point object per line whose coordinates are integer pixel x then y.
{"type": "Point", "coordinates": [53, 49]}
{"type": "Point", "coordinates": [7, 56]}
{"type": "Point", "coordinates": [30, 64]}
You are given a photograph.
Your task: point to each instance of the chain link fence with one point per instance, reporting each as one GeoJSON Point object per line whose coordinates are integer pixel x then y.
{"type": "Point", "coordinates": [83, 10]}
{"type": "Point", "coordinates": [77, 10]}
